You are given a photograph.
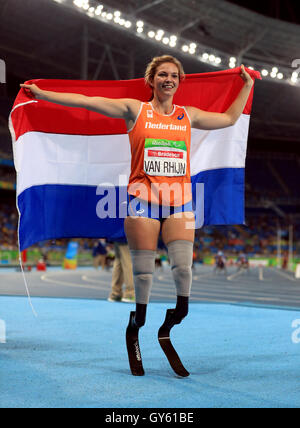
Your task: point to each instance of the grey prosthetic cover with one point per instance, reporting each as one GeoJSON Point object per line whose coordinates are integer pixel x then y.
{"type": "Point", "coordinates": [181, 259]}
{"type": "Point", "coordinates": [143, 264]}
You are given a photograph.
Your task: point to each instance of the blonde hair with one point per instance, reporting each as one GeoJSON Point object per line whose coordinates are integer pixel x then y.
{"type": "Point", "coordinates": [156, 62]}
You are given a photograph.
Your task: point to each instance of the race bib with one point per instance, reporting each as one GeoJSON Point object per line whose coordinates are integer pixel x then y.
{"type": "Point", "coordinates": [165, 158]}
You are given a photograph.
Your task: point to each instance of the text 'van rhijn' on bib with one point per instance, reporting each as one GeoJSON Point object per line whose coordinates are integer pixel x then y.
{"type": "Point", "coordinates": [165, 158]}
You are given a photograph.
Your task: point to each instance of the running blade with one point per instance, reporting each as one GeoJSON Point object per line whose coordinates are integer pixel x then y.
{"type": "Point", "coordinates": [171, 354]}
{"type": "Point", "coordinates": [133, 348]}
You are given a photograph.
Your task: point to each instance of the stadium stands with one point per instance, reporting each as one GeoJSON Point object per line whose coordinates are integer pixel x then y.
{"type": "Point", "coordinates": [289, 171]}
{"type": "Point", "coordinates": [259, 178]}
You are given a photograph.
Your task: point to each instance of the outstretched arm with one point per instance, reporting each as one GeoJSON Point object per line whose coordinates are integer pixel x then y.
{"type": "Point", "coordinates": [116, 108]}
{"type": "Point", "coordinates": [206, 120]}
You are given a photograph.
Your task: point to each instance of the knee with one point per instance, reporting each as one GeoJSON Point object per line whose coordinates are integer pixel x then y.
{"type": "Point", "coordinates": [182, 274]}
{"type": "Point", "coordinates": [143, 279]}
{"type": "Point", "coordinates": [183, 279]}
{"type": "Point", "coordinates": [181, 258]}
{"type": "Point", "coordinates": [143, 262]}
{"type": "Point", "coordinates": [143, 268]}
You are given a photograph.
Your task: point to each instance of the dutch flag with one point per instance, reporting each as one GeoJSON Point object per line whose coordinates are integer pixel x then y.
{"type": "Point", "coordinates": [66, 157]}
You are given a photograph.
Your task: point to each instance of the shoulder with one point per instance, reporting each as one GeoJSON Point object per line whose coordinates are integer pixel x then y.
{"type": "Point", "coordinates": [133, 103]}
{"type": "Point", "coordinates": [189, 112]}
{"type": "Point", "coordinates": [133, 106]}
{"type": "Point", "coordinates": [192, 111]}
{"type": "Point", "coordinates": [196, 115]}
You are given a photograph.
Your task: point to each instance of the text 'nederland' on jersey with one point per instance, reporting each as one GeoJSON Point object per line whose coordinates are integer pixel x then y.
{"type": "Point", "coordinates": [160, 148]}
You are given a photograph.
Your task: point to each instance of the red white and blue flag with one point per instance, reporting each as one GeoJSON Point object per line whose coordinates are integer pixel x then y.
{"type": "Point", "coordinates": [65, 156]}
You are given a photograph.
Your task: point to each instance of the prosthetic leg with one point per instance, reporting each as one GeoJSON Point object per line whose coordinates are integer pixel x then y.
{"type": "Point", "coordinates": [166, 344]}
{"type": "Point", "coordinates": [181, 259]}
{"type": "Point", "coordinates": [143, 262]}
{"type": "Point", "coordinates": [133, 347]}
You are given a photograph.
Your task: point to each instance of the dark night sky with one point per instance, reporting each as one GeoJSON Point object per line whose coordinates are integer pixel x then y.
{"type": "Point", "coordinates": [286, 10]}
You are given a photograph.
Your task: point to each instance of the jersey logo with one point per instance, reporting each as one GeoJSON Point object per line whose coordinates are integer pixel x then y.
{"type": "Point", "coordinates": [150, 114]}
{"type": "Point", "coordinates": [181, 117]}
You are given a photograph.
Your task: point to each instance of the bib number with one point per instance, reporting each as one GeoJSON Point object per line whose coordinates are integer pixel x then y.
{"type": "Point", "coordinates": [165, 158]}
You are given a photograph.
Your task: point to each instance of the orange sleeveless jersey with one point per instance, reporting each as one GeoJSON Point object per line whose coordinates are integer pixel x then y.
{"type": "Point", "coordinates": [160, 156]}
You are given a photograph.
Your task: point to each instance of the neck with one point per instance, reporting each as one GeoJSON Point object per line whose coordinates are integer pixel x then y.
{"type": "Point", "coordinates": [163, 106]}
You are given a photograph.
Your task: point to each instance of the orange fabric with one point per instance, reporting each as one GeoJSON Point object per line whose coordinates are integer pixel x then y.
{"type": "Point", "coordinates": [160, 156]}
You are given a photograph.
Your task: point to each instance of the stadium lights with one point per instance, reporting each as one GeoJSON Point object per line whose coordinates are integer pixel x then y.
{"type": "Point", "coordinates": [106, 14]}
{"type": "Point", "coordinates": [140, 27]}
{"type": "Point", "coordinates": [294, 77]}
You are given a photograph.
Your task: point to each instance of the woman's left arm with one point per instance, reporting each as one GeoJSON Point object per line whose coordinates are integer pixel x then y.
{"type": "Point", "coordinates": [206, 120]}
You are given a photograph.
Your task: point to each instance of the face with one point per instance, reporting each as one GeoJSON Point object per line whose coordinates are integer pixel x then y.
{"type": "Point", "coordinates": [166, 79]}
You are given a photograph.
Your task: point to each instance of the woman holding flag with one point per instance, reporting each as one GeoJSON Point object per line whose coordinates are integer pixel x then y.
{"type": "Point", "coordinates": [160, 197]}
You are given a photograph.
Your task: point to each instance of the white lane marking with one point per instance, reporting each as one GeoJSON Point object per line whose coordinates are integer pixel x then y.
{"type": "Point", "coordinates": [95, 281]}
{"type": "Point", "coordinates": [261, 273]}
{"type": "Point", "coordinates": [205, 275]}
{"type": "Point", "coordinates": [285, 275]}
{"type": "Point", "coordinates": [196, 277]}
{"type": "Point", "coordinates": [231, 277]}
{"type": "Point", "coordinates": [67, 284]}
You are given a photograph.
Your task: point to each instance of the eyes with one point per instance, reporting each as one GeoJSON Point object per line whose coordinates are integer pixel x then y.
{"type": "Point", "coordinates": [164, 74]}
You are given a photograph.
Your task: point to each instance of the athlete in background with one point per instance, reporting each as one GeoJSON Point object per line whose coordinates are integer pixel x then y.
{"type": "Point", "coordinates": [242, 262]}
{"type": "Point", "coordinates": [220, 262]}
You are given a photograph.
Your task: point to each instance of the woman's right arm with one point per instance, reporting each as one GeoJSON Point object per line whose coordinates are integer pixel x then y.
{"type": "Point", "coordinates": [116, 108]}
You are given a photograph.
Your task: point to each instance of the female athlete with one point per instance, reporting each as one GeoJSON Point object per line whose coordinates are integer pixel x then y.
{"type": "Point", "coordinates": [159, 185]}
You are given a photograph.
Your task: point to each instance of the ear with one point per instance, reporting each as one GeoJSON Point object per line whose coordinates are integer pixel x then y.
{"type": "Point", "coordinates": [151, 82]}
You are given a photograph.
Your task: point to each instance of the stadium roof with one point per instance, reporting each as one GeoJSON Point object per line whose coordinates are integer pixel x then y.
{"type": "Point", "coordinates": [57, 39]}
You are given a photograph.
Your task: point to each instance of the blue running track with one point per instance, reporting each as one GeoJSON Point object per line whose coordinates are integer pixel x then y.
{"type": "Point", "coordinates": [74, 356]}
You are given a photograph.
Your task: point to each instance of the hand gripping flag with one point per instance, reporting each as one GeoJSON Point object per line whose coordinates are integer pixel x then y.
{"type": "Point", "coordinates": [68, 158]}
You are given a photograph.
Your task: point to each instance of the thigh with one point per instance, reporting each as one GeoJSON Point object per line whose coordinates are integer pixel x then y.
{"type": "Point", "coordinates": [177, 228]}
{"type": "Point", "coordinates": [142, 233]}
